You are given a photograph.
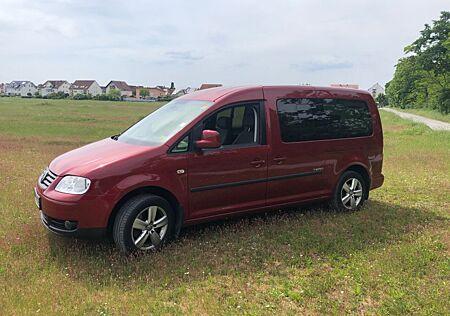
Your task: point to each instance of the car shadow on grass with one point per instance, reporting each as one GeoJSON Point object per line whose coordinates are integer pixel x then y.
{"type": "Point", "coordinates": [267, 242]}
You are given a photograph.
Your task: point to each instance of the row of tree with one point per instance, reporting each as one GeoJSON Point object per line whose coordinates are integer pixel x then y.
{"type": "Point", "coordinates": [112, 95]}
{"type": "Point", "coordinates": [422, 77]}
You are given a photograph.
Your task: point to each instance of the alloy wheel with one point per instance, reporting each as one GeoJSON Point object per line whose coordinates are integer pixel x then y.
{"type": "Point", "coordinates": [352, 193]}
{"type": "Point", "coordinates": [149, 228]}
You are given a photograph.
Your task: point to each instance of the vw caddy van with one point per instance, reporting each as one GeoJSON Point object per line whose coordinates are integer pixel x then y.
{"type": "Point", "coordinates": [213, 154]}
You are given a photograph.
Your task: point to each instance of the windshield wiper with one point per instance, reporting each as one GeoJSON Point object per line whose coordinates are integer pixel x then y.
{"type": "Point", "coordinates": [115, 137]}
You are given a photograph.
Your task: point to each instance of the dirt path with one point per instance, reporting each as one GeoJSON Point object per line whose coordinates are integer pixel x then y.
{"type": "Point", "coordinates": [433, 124]}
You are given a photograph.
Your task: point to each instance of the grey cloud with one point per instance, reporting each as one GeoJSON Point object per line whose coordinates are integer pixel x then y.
{"type": "Point", "coordinates": [183, 56]}
{"type": "Point", "coordinates": [322, 66]}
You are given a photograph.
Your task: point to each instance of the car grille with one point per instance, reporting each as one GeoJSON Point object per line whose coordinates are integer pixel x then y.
{"type": "Point", "coordinates": [47, 177]}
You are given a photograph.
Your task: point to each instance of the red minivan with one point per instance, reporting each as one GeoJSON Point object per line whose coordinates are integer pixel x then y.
{"type": "Point", "coordinates": [213, 154]}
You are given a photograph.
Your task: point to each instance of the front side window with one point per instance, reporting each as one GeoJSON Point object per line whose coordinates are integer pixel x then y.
{"type": "Point", "coordinates": [182, 146]}
{"type": "Point", "coordinates": [237, 125]}
{"type": "Point", "coordinates": [315, 119]}
{"type": "Point", "coordinates": [160, 125]}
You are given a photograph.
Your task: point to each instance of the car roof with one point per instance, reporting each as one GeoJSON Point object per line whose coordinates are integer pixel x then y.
{"type": "Point", "coordinates": [213, 94]}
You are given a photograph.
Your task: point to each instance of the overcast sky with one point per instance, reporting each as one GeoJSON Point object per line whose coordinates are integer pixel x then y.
{"type": "Point", "coordinates": [232, 42]}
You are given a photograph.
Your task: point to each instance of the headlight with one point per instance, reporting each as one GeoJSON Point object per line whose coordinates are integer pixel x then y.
{"type": "Point", "coordinates": [73, 185]}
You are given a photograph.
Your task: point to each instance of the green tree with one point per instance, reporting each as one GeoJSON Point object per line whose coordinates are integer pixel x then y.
{"type": "Point", "coordinates": [422, 79]}
{"type": "Point", "coordinates": [402, 89]}
{"type": "Point", "coordinates": [144, 93]}
{"type": "Point", "coordinates": [382, 100]}
{"type": "Point", "coordinates": [114, 94]}
{"type": "Point", "coordinates": [431, 48]}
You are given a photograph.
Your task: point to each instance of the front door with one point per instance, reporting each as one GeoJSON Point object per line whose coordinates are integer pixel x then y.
{"type": "Point", "coordinates": [231, 178]}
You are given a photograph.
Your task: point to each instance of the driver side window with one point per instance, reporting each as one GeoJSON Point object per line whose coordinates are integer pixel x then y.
{"type": "Point", "coordinates": [236, 125]}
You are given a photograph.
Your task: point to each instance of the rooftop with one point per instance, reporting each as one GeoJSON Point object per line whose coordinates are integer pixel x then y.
{"type": "Point", "coordinates": [121, 85]}
{"type": "Point", "coordinates": [82, 84]}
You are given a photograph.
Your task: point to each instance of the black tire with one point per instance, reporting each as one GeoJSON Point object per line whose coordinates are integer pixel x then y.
{"type": "Point", "coordinates": [337, 202]}
{"type": "Point", "coordinates": [123, 231]}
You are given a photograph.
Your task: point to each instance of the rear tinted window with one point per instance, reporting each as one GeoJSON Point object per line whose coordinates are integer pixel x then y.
{"type": "Point", "coordinates": [314, 119]}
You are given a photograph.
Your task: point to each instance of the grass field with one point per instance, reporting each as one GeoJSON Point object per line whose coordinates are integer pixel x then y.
{"type": "Point", "coordinates": [432, 114]}
{"type": "Point", "coordinates": [392, 257]}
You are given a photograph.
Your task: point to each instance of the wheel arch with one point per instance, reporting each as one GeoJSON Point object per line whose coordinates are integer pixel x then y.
{"type": "Point", "coordinates": [155, 190]}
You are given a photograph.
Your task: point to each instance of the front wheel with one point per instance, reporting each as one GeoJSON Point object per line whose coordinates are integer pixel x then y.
{"type": "Point", "coordinates": [350, 192]}
{"type": "Point", "coordinates": [143, 223]}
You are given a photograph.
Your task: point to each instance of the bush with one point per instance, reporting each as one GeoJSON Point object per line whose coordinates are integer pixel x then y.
{"type": "Point", "coordinates": [100, 97]}
{"type": "Point", "coordinates": [61, 95]}
{"type": "Point", "coordinates": [107, 97]}
{"type": "Point", "coordinates": [381, 100]}
{"type": "Point", "coordinates": [444, 101]}
{"type": "Point", "coordinates": [82, 96]}
{"type": "Point", "coordinates": [57, 95]}
{"type": "Point", "coordinates": [166, 98]}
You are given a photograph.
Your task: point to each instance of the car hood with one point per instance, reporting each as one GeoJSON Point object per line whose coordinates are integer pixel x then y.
{"type": "Point", "coordinates": [83, 160]}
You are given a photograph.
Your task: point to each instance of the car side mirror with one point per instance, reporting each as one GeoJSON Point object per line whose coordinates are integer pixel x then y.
{"type": "Point", "coordinates": [209, 139]}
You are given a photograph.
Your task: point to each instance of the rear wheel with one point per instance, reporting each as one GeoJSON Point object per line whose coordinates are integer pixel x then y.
{"type": "Point", "coordinates": [350, 192]}
{"type": "Point", "coordinates": [143, 223]}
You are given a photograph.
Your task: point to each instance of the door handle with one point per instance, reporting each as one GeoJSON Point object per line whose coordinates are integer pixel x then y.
{"type": "Point", "coordinates": [279, 160]}
{"type": "Point", "coordinates": [257, 163]}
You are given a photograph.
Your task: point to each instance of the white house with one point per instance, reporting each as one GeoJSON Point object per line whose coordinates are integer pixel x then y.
{"type": "Point", "coordinates": [85, 87]}
{"type": "Point", "coordinates": [122, 86]}
{"type": "Point", "coordinates": [22, 88]}
{"type": "Point", "coordinates": [376, 89]}
{"type": "Point", "coordinates": [54, 86]}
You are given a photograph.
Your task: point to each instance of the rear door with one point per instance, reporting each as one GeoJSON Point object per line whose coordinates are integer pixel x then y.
{"type": "Point", "coordinates": [296, 165]}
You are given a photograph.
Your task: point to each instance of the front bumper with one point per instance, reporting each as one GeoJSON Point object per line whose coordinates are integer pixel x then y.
{"type": "Point", "coordinates": [58, 227]}
{"type": "Point", "coordinates": [77, 219]}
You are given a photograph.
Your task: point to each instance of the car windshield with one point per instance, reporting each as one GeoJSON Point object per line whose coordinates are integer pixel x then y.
{"type": "Point", "coordinates": [160, 125]}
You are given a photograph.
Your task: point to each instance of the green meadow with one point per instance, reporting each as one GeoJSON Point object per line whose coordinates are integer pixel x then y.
{"type": "Point", "coordinates": [392, 257]}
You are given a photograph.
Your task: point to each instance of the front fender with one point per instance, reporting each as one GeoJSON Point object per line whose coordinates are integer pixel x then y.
{"type": "Point", "coordinates": [166, 178]}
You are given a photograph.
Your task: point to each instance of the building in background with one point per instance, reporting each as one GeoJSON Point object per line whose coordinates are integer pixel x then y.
{"type": "Point", "coordinates": [376, 90]}
{"type": "Point", "coordinates": [54, 86]}
{"type": "Point", "coordinates": [181, 92]}
{"type": "Point", "coordinates": [167, 91]}
{"type": "Point", "coordinates": [156, 92]}
{"type": "Point", "coordinates": [85, 87]}
{"type": "Point", "coordinates": [209, 86]}
{"type": "Point", "coordinates": [345, 85]}
{"type": "Point", "coordinates": [153, 92]}
{"type": "Point", "coordinates": [122, 86]}
{"type": "Point", "coordinates": [2, 88]}
{"type": "Point", "coordinates": [20, 88]}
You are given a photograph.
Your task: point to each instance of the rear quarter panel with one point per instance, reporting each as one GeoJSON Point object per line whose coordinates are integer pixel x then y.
{"type": "Point", "coordinates": [366, 152]}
